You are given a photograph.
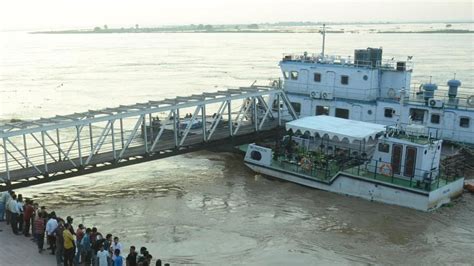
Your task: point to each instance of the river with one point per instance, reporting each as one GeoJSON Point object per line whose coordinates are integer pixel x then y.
{"type": "Point", "coordinates": [206, 207]}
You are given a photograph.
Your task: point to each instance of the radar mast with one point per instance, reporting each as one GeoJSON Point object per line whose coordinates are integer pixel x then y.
{"type": "Point", "coordinates": [324, 39]}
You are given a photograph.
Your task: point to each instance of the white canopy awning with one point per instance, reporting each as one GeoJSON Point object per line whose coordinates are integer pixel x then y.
{"type": "Point", "coordinates": [336, 127]}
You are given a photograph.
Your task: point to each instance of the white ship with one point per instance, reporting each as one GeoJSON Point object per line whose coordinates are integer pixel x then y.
{"type": "Point", "coordinates": [360, 159]}
{"type": "Point", "coordinates": [367, 88]}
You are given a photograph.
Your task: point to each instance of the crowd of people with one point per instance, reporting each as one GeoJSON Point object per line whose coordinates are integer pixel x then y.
{"type": "Point", "coordinates": [80, 246]}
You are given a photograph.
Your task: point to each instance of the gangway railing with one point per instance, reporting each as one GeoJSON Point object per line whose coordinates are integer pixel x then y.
{"type": "Point", "coordinates": [80, 143]}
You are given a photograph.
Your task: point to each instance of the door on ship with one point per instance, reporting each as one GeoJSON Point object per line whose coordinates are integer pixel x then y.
{"type": "Point", "coordinates": [410, 161]}
{"type": "Point", "coordinates": [303, 79]}
{"type": "Point", "coordinates": [397, 158]}
{"type": "Point", "coordinates": [356, 113]}
{"type": "Point", "coordinates": [330, 81]}
{"type": "Point", "coordinates": [449, 119]}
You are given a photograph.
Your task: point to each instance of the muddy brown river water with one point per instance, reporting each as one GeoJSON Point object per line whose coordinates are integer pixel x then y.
{"type": "Point", "coordinates": [207, 208]}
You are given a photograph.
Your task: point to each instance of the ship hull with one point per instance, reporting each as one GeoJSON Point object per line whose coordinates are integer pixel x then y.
{"type": "Point", "coordinates": [373, 190]}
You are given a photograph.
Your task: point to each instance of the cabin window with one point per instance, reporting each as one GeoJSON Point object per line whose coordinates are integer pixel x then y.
{"type": "Point", "coordinates": [296, 107]}
{"type": "Point", "coordinates": [286, 74]}
{"type": "Point", "coordinates": [342, 113]}
{"type": "Point", "coordinates": [417, 115]}
{"type": "Point", "coordinates": [388, 112]}
{"type": "Point", "coordinates": [317, 77]}
{"type": "Point", "coordinates": [344, 80]}
{"type": "Point", "coordinates": [365, 77]}
{"type": "Point", "coordinates": [435, 118]}
{"type": "Point", "coordinates": [464, 122]}
{"type": "Point", "coordinates": [322, 110]}
{"type": "Point", "coordinates": [384, 147]}
{"type": "Point", "coordinates": [294, 75]}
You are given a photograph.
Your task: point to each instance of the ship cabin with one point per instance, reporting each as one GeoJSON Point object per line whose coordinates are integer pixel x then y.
{"type": "Point", "coordinates": [367, 88]}
{"type": "Point", "coordinates": [407, 155]}
{"type": "Point", "coordinates": [365, 77]}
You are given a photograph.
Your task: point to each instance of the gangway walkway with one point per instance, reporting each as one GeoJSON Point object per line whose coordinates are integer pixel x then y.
{"type": "Point", "coordinates": [63, 146]}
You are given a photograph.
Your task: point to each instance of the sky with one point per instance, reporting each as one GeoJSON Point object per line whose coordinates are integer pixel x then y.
{"type": "Point", "coordinates": [77, 14]}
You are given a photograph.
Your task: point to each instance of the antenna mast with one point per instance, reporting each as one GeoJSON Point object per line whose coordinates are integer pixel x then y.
{"type": "Point", "coordinates": [324, 39]}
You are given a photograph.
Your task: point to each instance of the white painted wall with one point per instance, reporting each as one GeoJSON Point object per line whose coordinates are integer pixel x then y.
{"type": "Point", "coordinates": [344, 184]}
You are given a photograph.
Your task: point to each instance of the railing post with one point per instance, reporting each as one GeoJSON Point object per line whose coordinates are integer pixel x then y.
{"type": "Point", "coordinates": [25, 149]}
{"type": "Point", "coordinates": [91, 137]}
{"type": "Point", "coordinates": [204, 126]}
{"type": "Point", "coordinates": [121, 133]}
{"type": "Point", "coordinates": [255, 120]}
{"type": "Point", "coordinates": [150, 117]}
{"type": "Point", "coordinates": [175, 129]}
{"type": "Point", "coordinates": [229, 110]}
{"type": "Point", "coordinates": [6, 158]}
{"type": "Point", "coordinates": [375, 170]}
{"type": "Point", "coordinates": [114, 152]}
{"type": "Point", "coordinates": [79, 145]}
{"type": "Point", "coordinates": [279, 110]}
{"type": "Point", "coordinates": [145, 133]}
{"type": "Point", "coordinates": [59, 143]}
{"type": "Point", "coordinates": [392, 172]}
{"type": "Point", "coordinates": [44, 153]}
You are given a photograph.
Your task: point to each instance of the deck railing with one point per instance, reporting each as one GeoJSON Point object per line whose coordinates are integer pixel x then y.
{"type": "Point", "coordinates": [326, 168]}
{"type": "Point", "coordinates": [345, 60]}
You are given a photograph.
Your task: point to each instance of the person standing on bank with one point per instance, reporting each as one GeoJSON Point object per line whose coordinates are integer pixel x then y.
{"type": "Point", "coordinates": [12, 207]}
{"type": "Point", "coordinates": [39, 231]}
{"type": "Point", "coordinates": [102, 256]}
{"type": "Point", "coordinates": [27, 217]}
{"type": "Point", "coordinates": [116, 245]}
{"type": "Point", "coordinates": [79, 235]}
{"type": "Point", "coordinates": [132, 257]}
{"type": "Point", "coordinates": [4, 196]}
{"type": "Point", "coordinates": [19, 207]}
{"type": "Point", "coordinates": [51, 226]}
{"type": "Point", "coordinates": [60, 241]}
{"type": "Point", "coordinates": [69, 246]}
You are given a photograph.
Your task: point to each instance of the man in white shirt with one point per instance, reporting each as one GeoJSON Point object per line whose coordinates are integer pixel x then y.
{"type": "Point", "coordinates": [51, 226]}
{"type": "Point", "coordinates": [102, 256]}
{"type": "Point", "coordinates": [116, 245]}
{"type": "Point", "coordinates": [12, 206]}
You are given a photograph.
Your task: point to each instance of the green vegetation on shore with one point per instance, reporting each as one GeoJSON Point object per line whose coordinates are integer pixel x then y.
{"type": "Point", "coordinates": [281, 27]}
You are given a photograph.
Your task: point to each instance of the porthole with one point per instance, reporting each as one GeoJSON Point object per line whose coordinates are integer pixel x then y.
{"type": "Point", "coordinates": [426, 151]}
{"type": "Point", "coordinates": [369, 112]}
{"type": "Point", "coordinates": [255, 155]}
{"type": "Point", "coordinates": [365, 77]}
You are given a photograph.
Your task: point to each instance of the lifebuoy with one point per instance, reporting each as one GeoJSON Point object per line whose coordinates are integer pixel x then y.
{"type": "Point", "coordinates": [470, 100]}
{"type": "Point", "coordinates": [385, 169]}
{"type": "Point", "coordinates": [313, 94]}
{"type": "Point", "coordinates": [275, 83]}
{"type": "Point", "coordinates": [325, 95]}
{"type": "Point", "coordinates": [306, 163]}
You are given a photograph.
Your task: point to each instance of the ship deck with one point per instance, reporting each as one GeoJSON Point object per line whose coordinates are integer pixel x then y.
{"type": "Point", "coordinates": [325, 174]}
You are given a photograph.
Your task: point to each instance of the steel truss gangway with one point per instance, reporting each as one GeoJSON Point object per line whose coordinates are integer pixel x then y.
{"type": "Point", "coordinates": [48, 149]}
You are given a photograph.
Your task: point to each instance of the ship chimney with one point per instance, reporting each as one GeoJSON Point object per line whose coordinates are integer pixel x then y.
{"type": "Point", "coordinates": [453, 85]}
